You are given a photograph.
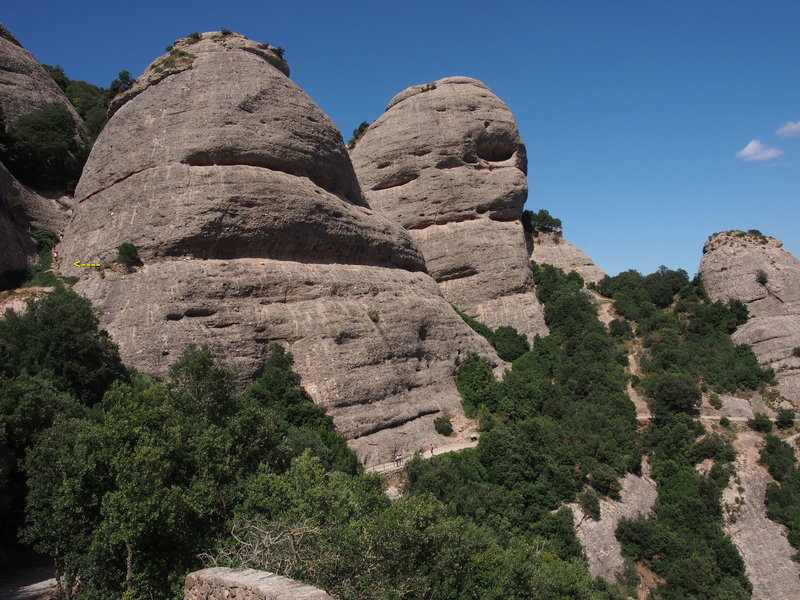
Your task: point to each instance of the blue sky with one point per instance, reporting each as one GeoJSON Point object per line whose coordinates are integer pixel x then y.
{"type": "Point", "coordinates": [633, 112]}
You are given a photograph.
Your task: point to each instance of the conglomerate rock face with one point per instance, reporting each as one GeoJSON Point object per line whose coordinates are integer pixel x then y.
{"type": "Point", "coordinates": [758, 271]}
{"type": "Point", "coordinates": [24, 84]}
{"type": "Point", "coordinates": [24, 87]}
{"type": "Point", "coordinates": [446, 162]}
{"type": "Point", "coordinates": [550, 247]}
{"type": "Point", "coordinates": [241, 198]}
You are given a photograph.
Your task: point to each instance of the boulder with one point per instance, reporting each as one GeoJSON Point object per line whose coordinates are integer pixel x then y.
{"type": "Point", "coordinates": [446, 162]}
{"type": "Point", "coordinates": [252, 229]}
{"type": "Point", "coordinates": [757, 270]}
{"type": "Point", "coordinates": [550, 247]}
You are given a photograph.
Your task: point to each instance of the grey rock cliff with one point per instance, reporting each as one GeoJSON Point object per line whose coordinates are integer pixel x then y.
{"type": "Point", "coordinates": [550, 247]}
{"type": "Point", "coordinates": [730, 269]}
{"type": "Point", "coordinates": [24, 84]}
{"type": "Point", "coordinates": [24, 87]}
{"type": "Point", "coordinates": [242, 200]}
{"type": "Point", "coordinates": [446, 162]}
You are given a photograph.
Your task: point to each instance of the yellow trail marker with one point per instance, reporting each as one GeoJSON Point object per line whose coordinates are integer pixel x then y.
{"type": "Point", "coordinates": [78, 263]}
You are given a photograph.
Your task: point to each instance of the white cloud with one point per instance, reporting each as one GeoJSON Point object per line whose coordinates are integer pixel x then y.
{"type": "Point", "coordinates": [789, 129]}
{"type": "Point", "coordinates": [755, 150]}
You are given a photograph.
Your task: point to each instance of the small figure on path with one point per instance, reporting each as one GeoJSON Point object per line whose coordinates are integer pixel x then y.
{"type": "Point", "coordinates": [431, 449]}
{"type": "Point", "coordinates": [398, 459]}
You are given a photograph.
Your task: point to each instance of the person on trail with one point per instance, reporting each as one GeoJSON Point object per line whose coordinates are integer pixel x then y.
{"type": "Point", "coordinates": [398, 459]}
{"type": "Point", "coordinates": [431, 449]}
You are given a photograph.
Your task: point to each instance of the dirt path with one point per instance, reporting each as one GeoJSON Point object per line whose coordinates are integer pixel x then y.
{"type": "Point", "coordinates": [643, 413]}
{"type": "Point", "coordinates": [761, 542]}
{"type": "Point", "coordinates": [28, 584]}
{"type": "Point", "coordinates": [394, 466]}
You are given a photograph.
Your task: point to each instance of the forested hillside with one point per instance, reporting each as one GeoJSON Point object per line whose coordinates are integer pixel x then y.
{"type": "Point", "coordinates": [146, 476]}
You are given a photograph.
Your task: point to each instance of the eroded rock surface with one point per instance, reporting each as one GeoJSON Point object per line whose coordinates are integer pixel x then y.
{"type": "Point", "coordinates": [550, 247]}
{"type": "Point", "coordinates": [637, 497]}
{"type": "Point", "coordinates": [24, 87]}
{"type": "Point", "coordinates": [24, 84]}
{"type": "Point", "coordinates": [446, 162]}
{"type": "Point", "coordinates": [241, 198]}
{"type": "Point", "coordinates": [762, 543]}
{"type": "Point", "coordinates": [219, 583]}
{"type": "Point", "coordinates": [732, 264]}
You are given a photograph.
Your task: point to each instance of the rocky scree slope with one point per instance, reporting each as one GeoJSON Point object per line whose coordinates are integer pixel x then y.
{"type": "Point", "coordinates": [447, 163]}
{"type": "Point", "coordinates": [757, 270]}
{"type": "Point", "coordinates": [24, 87]}
{"type": "Point", "coordinates": [550, 247]}
{"type": "Point", "coordinates": [241, 198]}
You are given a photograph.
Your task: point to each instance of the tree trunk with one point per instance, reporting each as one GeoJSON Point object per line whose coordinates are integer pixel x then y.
{"type": "Point", "coordinates": [128, 570]}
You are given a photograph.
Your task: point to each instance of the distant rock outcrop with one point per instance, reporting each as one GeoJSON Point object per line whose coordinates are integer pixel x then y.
{"type": "Point", "coordinates": [757, 270]}
{"type": "Point", "coordinates": [241, 198]}
{"type": "Point", "coordinates": [550, 247]}
{"type": "Point", "coordinates": [446, 162]}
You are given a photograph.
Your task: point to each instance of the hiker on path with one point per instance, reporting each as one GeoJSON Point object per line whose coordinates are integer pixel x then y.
{"type": "Point", "coordinates": [431, 449]}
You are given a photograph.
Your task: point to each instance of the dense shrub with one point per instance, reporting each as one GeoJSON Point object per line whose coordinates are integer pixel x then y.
{"type": "Point", "coordinates": [761, 277]}
{"type": "Point", "coordinates": [589, 503]}
{"type": "Point", "coordinates": [760, 423]}
{"type": "Point", "coordinates": [58, 334]}
{"type": "Point", "coordinates": [45, 239]}
{"type": "Point", "coordinates": [443, 425]}
{"type": "Point", "coordinates": [43, 150]}
{"type": "Point", "coordinates": [785, 419]}
{"type": "Point", "coordinates": [509, 344]}
{"type": "Point", "coordinates": [128, 254]}
{"type": "Point", "coordinates": [620, 329]}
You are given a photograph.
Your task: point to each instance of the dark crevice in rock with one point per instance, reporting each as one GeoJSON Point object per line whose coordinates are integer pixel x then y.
{"type": "Point", "coordinates": [449, 162]}
{"type": "Point", "coordinates": [396, 180]}
{"type": "Point", "coordinates": [199, 312]}
{"type": "Point", "coordinates": [495, 151]}
{"type": "Point", "coordinates": [115, 182]}
{"type": "Point", "coordinates": [455, 273]}
{"type": "Point", "coordinates": [396, 422]}
{"type": "Point", "coordinates": [323, 177]}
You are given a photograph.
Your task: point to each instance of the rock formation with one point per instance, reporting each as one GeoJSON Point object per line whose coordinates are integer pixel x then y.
{"type": "Point", "coordinates": [241, 198]}
{"type": "Point", "coordinates": [24, 83]}
{"type": "Point", "coordinates": [757, 270]}
{"type": "Point", "coordinates": [219, 583]}
{"type": "Point", "coordinates": [550, 247]}
{"type": "Point", "coordinates": [24, 87]}
{"type": "Point", "coordinates": [446, 162]}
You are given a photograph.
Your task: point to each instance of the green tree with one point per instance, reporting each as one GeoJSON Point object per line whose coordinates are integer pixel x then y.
{"type": "Point", "coordinates": [785, 419]}
{"type": "Point", "coordinates": [43, 148]}
{"type": "Point", "coordinates": [509, 344]}
{"type": "Point", "coordinates": [59, 334]}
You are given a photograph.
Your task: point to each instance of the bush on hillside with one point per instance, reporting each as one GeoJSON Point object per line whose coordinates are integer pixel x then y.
{"type": "Point", "coordinates": [443, 425]}
{"type": "Point", "coordinates": [785, 419]}
{"type": "Point", "coordinates": [760, 423]}
{"type": "Point", "coordinates": [509, 344]}
{"type": "Point", "coordinates": [42, 149]}
{"type": "Point", "coordinates": [128, 254]}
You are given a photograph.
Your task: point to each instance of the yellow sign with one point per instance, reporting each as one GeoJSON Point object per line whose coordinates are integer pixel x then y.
{"type": "Point", "coordinates": [78, 263]}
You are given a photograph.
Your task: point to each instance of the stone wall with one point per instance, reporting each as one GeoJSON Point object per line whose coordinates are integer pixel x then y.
{"type": "Point", "coordinates": [247, 584]}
